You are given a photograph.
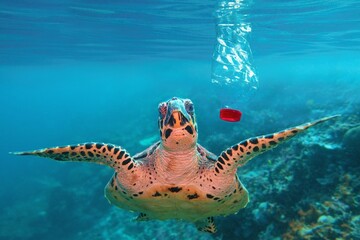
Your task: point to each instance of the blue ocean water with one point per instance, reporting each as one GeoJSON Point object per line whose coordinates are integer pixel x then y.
{"type": "Point", "coordinates": [80, 71]}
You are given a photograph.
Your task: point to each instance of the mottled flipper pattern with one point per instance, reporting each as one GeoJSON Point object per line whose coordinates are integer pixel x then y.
{"type": "Point", "coordinates": [142, 217]}
{"type": "Point", "coordinates": [239, 154]}
{"type": "Point", "coordinates": [100, 153]}
{"type": "Point", "coordinates": [207, 225]}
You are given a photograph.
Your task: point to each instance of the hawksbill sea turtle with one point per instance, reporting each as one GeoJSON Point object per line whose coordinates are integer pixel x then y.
{"type": "Point", "coordinates": [176, 178]}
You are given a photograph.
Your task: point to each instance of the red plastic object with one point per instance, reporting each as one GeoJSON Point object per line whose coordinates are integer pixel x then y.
{"type": "Point", "coordinates": [230, 115]}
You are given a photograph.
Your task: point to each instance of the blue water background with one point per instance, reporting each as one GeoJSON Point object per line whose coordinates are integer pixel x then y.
{"type": "Point", "coordinates": [80, 71]}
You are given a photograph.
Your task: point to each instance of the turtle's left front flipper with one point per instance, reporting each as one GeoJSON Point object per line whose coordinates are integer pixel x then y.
{"type": "Point", "coordinates": [239, 154]}
{"type": "Point", "coordinates": [100, 153]}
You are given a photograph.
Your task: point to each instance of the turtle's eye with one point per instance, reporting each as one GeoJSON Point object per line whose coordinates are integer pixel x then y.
{"type": "Point", "coordinates": [162, 110]}
{"type": "Point", "coordinates": [189, 106]}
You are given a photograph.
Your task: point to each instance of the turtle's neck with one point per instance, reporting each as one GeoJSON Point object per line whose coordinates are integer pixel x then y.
{"type": "Point", "coordinates": [176, 167]}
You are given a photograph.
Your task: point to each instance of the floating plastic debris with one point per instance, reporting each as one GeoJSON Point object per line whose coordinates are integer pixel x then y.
{"type": "Point", "coordinates": [232, 71]}
{"type": "Point", "coordinates": [230, 115]}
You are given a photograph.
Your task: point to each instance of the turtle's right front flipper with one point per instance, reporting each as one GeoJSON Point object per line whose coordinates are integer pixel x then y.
{"type": "Point", "coordinates": [100, 153]}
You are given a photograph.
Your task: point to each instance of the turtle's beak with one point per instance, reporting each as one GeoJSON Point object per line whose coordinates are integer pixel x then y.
{"type": "Point", "coordinates": [176, 116]}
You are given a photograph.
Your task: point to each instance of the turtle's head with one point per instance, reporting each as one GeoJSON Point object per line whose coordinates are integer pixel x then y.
{"type": "Point", "coordinates": [177, 124]}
